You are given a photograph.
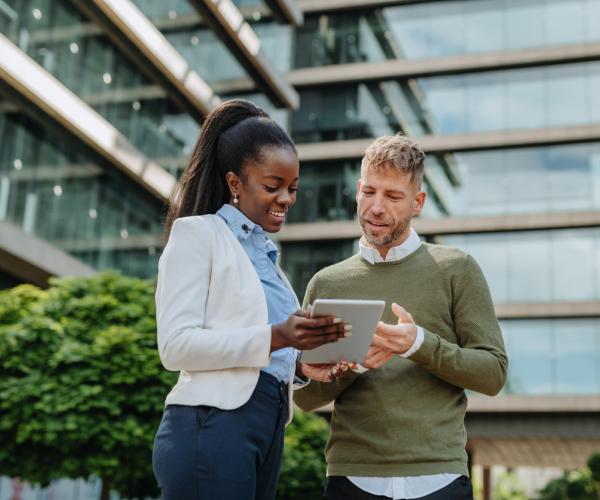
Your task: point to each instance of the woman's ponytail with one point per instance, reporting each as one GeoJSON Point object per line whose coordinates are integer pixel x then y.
{"type": "Point", "coordinates": [202, 188]}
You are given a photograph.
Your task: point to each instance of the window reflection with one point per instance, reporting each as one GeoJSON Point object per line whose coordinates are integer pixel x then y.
{"type": "Point", "coordinates": [552, 357]}
{"type": "Point", "coordinates": [438, 29]}
{"type": "Point", "coordinates": [53, 189]}
{"type": "Point", "coordinates": [537, 266]}
{"type": "Point", "coordinates": [326, 192]}
{"type": "Point", "coordinates": [552, 96]}
{"type": "Point", "coordinates": [302, 260]}
{"type": "Point", "coordinates": [70, 47]}
{"type": "Point", "coordinates": [529, 180]}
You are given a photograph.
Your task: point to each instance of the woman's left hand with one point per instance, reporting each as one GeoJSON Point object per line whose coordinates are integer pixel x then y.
{"type": "Point", "coordinates": [327, 372]}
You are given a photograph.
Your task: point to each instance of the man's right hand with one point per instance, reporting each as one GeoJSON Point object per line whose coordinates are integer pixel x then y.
{"type": "Point", "coordinates": [376, 357]}
{"type": "Point", "coordinates": [304, 333]}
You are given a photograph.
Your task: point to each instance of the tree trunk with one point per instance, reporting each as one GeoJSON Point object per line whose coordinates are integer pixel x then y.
{"type": "Point", "coordinates": [105, 492]}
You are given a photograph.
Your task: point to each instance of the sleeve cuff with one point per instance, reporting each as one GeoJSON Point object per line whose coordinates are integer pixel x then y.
{"type": "Point", "coordinates": [419, 339]}
{"type": "Point", "coordinates": [298, 381]}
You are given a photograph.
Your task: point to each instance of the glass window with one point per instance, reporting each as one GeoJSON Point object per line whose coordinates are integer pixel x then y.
{"type": "Point", "coordinates": [537, 266]}
{"type": "Point", "coordinates": [529, 180]}
{"type": "Point", "coordinates": [555, 96]}
{"type": "Point", "coordinates": [54, 189]}
{"type": "Point", "coordinates": [302, 260]}
{"type": "Point", "coordinates": [438, 29]}
{"type": "Point", "coordinates": [158, 9]}
{"type": "Point", "coordinates": [326, 192]}
{"type": "Point", "coordinates": [552, 357]}
{"type": "Point", "coordinates": [76, 52]}
{"type": "Point", "coordinates": [516, 99]}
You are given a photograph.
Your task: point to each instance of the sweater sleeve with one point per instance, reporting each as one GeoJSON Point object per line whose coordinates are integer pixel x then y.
{"type": "Point", "coordinates": [317, 394]}
{"type": "Point", "coordinates": [479, 362]}
{"type": "Point", "coordinates": [184, 281]}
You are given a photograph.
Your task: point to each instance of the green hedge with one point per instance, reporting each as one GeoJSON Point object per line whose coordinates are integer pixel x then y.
{"type": "Point", "coordinates": [82, 389]}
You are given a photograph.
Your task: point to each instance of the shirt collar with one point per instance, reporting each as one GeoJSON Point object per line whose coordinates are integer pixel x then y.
{"type": "Point", "coordinates": [241, 225]}
{"type": "Point", "coordinates": [408, 246]}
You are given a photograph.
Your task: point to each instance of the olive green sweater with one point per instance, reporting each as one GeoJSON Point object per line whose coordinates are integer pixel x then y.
{"type": "Point", "coordinates": [407, 417]}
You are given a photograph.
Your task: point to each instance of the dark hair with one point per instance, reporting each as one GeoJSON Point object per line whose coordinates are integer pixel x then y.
{"type": "Point", "coordinates": [233, 134]}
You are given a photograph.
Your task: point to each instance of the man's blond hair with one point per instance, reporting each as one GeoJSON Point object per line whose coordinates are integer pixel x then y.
{"type": "Point", "coordinates": [398, 152]}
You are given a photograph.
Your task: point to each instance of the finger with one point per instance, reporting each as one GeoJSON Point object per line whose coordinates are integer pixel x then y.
{"type": "Point", "coordinates": [321, 321]}
{"type": "Point", "coordinates": [378, 358]}
{"type": "Point", "coordinates": [382, 356]}
{"type": "Point", "coordinates": [402, 314]}
{"type": "Point", "coordinates": [394, 332]}
{"type": "Point", "coordinates": [342, 330]}
{"type": "Point", "coordinates": [388, 331]}
{"type": "Point", "coordinates": [302, 313]}
{"type": "Point", "coordinates": [383, 343]}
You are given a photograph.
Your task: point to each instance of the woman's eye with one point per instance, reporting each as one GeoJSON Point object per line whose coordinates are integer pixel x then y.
{"type": "Point", "coordinates": [292, 190]}
{"type": "Point", "coordinates": [270, 189]}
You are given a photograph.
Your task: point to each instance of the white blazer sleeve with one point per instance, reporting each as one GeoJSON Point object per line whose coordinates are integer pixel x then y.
{"type": "Point", "coordinates": [184, 278]}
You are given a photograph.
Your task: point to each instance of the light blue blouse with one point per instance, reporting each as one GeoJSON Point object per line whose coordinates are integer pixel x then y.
{"type": "Point", "coordinates": [281, 300]}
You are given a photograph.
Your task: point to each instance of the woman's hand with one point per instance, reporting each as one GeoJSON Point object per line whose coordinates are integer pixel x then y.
{"type": "Point", "coordinates": [304, 333]}
{"type": "Point", "coordinates": [327, 372]}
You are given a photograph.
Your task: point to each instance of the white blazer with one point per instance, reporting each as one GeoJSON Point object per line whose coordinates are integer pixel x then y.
{"type": "Point", "coordinates": [212, 316]}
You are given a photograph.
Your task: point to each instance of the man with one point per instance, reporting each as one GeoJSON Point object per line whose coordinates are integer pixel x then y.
{"type": "Point", "coordinates": [398, 431]}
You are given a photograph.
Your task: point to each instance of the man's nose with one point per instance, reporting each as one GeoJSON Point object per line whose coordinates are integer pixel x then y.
{"type": "Point", "coordinates": [377, 207]}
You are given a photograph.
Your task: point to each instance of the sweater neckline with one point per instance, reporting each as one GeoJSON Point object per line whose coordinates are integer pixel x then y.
{"type": "Point", "coordinates": [395, 262]}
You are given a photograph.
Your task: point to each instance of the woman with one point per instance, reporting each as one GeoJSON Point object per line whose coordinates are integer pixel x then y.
{"type": "Point", "coordinates": [227, 317]}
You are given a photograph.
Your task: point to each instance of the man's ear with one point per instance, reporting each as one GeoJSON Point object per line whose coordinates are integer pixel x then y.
{"type": "Point", "coordinates": [418, 203]}
{"type": "Point", "coordinates": [357, 189]}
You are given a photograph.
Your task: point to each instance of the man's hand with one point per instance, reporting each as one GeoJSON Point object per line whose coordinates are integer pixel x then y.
{"type": "Point", "coordinates": [326, 372]}
{"type": "Point", "coordinates": [376, 357]}
{"type": "Point", "coordinates": [397, 338]}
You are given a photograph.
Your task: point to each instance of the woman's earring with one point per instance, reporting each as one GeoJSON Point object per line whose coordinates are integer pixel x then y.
{"type": "Point", "coordinates": [236, 198]}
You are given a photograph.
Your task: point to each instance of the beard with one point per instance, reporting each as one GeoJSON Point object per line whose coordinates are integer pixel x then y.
{"type": "Point", "coordinates": [386, 239]}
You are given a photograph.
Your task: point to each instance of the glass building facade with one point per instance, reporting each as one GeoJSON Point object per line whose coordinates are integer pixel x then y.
{"type": "Point", "coordinates": [529, 212]}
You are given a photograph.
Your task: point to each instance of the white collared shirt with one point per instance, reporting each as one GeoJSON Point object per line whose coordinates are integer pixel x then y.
{"type": "Point", "coordinates": [410, 486]}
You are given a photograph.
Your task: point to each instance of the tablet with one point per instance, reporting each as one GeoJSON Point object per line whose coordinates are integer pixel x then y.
{"type": "Point", "coordinates": [363, 315]}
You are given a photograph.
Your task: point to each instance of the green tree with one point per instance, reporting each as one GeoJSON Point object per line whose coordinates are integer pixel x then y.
{"type": "Point", "coordinates": [508, 487]}
{"type": "Point", "coordinates": [572, 485]}
{"type": "Point", "coordinates": [81, 385]}
{"type": "Point", "coordinates": [593, 464]}
{"type": "Point", "coordinates": [303, 467]}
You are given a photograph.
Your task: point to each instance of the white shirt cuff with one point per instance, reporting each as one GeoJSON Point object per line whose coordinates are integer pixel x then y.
{"type": "Point", "coordinates": [419, 339]}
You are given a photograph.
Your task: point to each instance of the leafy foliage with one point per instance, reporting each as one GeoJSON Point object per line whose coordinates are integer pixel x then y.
{"type": "Point", "coordinates": [507, 487]}
{"type": "Point", "coordinates": [574, 485]}
{"type": "Point", "coordinates": [81, 385]}
{"type": "Point", "coordinates": [593, 464]}
{"type": "Point", "coordinates": [303, 468]}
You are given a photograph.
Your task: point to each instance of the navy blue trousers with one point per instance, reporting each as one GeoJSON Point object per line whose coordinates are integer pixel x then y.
{"type": "Point", "coordinates": [204, 453]}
